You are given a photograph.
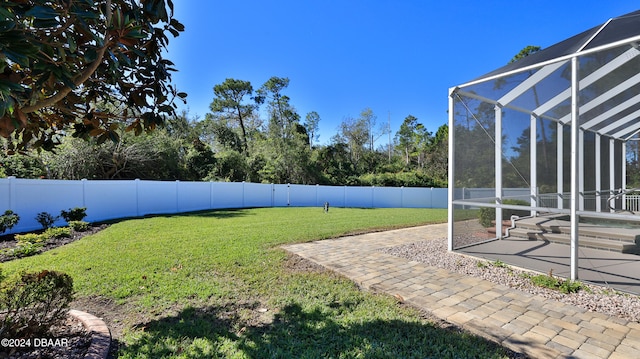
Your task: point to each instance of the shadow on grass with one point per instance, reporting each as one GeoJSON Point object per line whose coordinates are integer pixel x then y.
{"type": "Point", "coordinates": [217, 213]}
{"type": "Point", "coordinates": [295, 332]}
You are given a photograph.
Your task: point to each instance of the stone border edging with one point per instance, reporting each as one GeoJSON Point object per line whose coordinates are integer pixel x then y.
{"type": "Point", "coordinates": [100, 334]}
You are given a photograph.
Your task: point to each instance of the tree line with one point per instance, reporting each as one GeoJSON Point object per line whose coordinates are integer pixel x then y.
{"type": "Point", "coordinates": [236, 141]}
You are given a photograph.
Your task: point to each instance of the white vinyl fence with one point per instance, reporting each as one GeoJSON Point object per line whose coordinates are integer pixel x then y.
{"type": "Point", "coordinates": [107, 200]}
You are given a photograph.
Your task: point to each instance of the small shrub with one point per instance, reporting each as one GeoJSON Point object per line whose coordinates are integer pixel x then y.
{"type": "Point", "coordinates": [570, 286]}
{"type": "Point", "coordinates": [58, 232]}
{"type": "Point", "coordinates": [546, 281]}
{"type": "Point", "coordinates": [25, 249]}
{"type": "Point", "coordinates": [30, 238]}
{"type": "Point", "coordinates": [74, 214]}
{"type": "Point", "coordinates": [481, 264]}
{"type": "Point", "coordinates": [488, 214]}
{"type": "Point", "coordinates": [46, 220]}
{"type": "Point", "coordinates": [551, 282]}
{"type": "Point", "coordinates": [8, 220]}
{"type": "Point", "coordinates": [32, 302]}
{"type": "Point", "coordinates": [79, 226]}
{"type": "Point", "coordinates": [500, 264]}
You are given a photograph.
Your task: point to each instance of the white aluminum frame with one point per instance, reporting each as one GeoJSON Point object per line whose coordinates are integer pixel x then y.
{"type": "Point", "coordinates": [626, 126]}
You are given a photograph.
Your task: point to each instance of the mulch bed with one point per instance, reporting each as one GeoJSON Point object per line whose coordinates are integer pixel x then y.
{"type": "Point", "coordinates": [9, 241]}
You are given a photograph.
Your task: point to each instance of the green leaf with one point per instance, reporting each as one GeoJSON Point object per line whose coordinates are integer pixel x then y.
{"type": "Point", "coordinates": [177, 25]}
{"type": "Point", "coordinates": [42, 12]}
{"type": "Point", "coordinates": [5, 13]}
{"type": "Point", "coordinates": [67, 81]}
{"type": "Point", "coordinates": [90, 55]}
{"type": "Point", "coordinates": [18, 58]}
{"type": "Point", "coordinates": [7, 25]}
{"type": "Point", "coordinates": [45, 23]}
{"type": "Point", "coordinates": [114, 137]}
{"type": "Point", "coordinates": [84, 14]}
{"type": "Point", "coordinates": [73, 46]}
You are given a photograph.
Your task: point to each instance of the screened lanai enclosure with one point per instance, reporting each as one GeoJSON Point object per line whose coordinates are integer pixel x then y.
{"type": "Point", "coordinates": [539, 149]}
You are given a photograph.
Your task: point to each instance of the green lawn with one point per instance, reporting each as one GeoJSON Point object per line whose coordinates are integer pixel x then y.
{"type": "Point", "coordinates": [215, 284]}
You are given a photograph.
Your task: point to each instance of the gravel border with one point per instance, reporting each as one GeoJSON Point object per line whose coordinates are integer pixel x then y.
{"type": "Point", "coordinates": [591, 297]}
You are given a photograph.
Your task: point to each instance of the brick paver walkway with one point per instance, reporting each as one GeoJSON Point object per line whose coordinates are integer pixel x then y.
{"type": "Point", "coordinates": [522, 322]}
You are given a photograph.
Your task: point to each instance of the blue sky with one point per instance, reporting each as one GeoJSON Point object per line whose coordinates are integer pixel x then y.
{"type": "Point", "coordinates": [397, 57]}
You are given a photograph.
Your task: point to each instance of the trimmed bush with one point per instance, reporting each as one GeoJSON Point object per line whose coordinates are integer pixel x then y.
{"type": "Point", "coordinates": [25, 249]}
{"type": "Point", "coordinates": [31, 303]}
{"type": "Point", "coordinates": [30, 238]}
{"type": "Point", "coordinates": [74, 214]}
{"type": "Point", "coordinates": [58, 232]}
{"type": "Point", "coordinates": [79, 226]}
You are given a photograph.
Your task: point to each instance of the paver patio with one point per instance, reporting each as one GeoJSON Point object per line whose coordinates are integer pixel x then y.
{"type": "Point", "coordinates": [525, 323]}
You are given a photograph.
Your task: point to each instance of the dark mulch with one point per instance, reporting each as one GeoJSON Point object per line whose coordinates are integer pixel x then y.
{"type": "Point", "coordinates": [9, 241]}
{"type": "Point", "coordinates": [69, 340]}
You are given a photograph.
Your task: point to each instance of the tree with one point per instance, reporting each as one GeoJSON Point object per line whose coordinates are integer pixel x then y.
{"type": "Point", "coordinates": [27, 165]}
{"type": "Point", "coordinates": [354, 133]}
{"type": "Point", "coordinates": [282, 115]}
{"type": "Point", "coordinates": [528, 50]}
{"type": "Point", "coordinates": [311, 125]}
{"type": "Point", "coordinates": [58, 58]}
{"type": "Point", "coordinates": [439, 154]}
{"type": "Point", "coordinates": [405, 136]}
{"type": "Point", "coordinates": [422, 142]}
{"type": "Point", "coordinates": [199, 160]}
{"type": "Point", "coordinates": [370, 119]}
{"type": "Point", "coordinates": [229, 100]}
{"type": "Point", "coordinates": [414, 140]}
{"type": "Point", "coordinates": [286, 149]}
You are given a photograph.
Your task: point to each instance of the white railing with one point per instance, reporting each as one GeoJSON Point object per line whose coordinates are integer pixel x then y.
{"type": "Point", "coordinates": [633, 202]}
{"type": "Point", "coordinates": [106, 200]}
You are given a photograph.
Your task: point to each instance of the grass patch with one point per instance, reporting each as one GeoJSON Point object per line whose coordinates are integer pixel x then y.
{"type": "Point", "coordinates": [213, 284]}
{"type": "Point", "coordinates": [551, 282]}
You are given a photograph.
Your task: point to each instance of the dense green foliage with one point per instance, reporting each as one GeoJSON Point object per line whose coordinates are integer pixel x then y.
{"type": "Point", "coordinates": [215, 284]}
{"type": "Point", "coordinates": [74, 214]}
{"type": "Point", "coordinates": [60, 59]}
{"type": "Point", "coordinates": [235, 143]}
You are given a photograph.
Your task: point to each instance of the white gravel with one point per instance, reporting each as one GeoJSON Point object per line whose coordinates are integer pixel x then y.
{"type": "Point", "coordinates": [591, 297]}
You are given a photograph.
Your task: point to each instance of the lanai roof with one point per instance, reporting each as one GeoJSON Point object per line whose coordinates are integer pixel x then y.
{"type": "Point", "coordinates": [609, 84]}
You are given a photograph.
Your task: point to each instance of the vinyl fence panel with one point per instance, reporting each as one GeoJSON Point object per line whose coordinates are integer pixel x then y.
{"type": "Point", "coordinates": [193, 196]}
{"type": "Point", "coordinates": [110, 199]}
{"type": "Point", "coordinates": [107, 200]}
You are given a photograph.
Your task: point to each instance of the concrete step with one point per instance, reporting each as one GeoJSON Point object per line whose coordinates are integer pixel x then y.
{"type": "Point", "coordinates": [608, 244]}
{"type": "Point", "coordinates": [551, 225]}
